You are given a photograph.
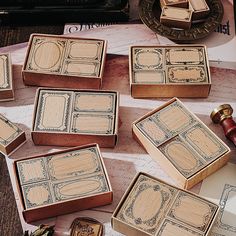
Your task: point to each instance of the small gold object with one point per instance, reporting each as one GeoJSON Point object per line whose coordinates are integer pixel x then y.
{"type": "Point", "coordinates": [84, 226]}
{"type": "Point", "coordinates": [221, 113]}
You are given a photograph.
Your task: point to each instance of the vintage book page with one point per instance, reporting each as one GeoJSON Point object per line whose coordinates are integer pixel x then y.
{"type": "Point", "coordinates": [221, 189]}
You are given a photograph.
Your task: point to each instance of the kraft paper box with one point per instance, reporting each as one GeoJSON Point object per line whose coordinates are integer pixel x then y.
{"type": "Point", "coordinates": [181, 143]}
{"type": "Point", "coordinates": [176, 17]}
{"type": "Point", "coordinates": [6, 82]}
{"type": "Point", "coordinates": [64, 62]}
{"type": "Point", "coordinates": [11, 136]}
{"type": "Point", "coordinates": [62, 182]}
{"type": "Point", "coordinates": [151, 207]}
{"type": "Point", "coordinates": [65, 117]}
{"type": "Point", "coordinates": [200, 9]}
{"type": "Point", "coordinates": [169, 71]}
{"type": "Point", "coordinates": [174, 3]}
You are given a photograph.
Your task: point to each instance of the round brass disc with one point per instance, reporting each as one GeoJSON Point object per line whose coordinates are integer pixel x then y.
{"type": "Point", "coordinates": [222, 112]}
{"type": "Point", "coordinates": [150, 11]}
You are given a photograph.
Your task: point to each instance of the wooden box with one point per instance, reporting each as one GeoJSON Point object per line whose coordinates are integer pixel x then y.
{"type": "Point", "coordinates": [6, 83]}
{"type": "Point", "coordinates": [75, 117]}
{"type": "Point", "coordinates": [176, 17]}
{"type": "Point", "coordinates": [153, 207]}
{"type": "Point", "coordinates": [169, 71]}
{"type": "Point", "coordinates": [64, 62]}
{"type": "Point", "coordinates": [200, 9]}
{"type": "Point", "coordinates": [11, 136]}
{"type": "Point", "coordinates": [174, 3]}
{"type": "Point", "coordinates": [181, 143]}
{"type": "Point", "coordinates": [62, 182]}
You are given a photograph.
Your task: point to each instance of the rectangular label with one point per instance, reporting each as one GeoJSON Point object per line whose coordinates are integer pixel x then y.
{"type": "Point", "coordinates": [205, 143]}
{"type": "Point", "coordinates": [8, 131]}
{"type": "Point", "coordinates": [173, 118]}
{"type": "Point", "coordinates": [79, 49]}
{"type": "Point", "coordinates": [193, 211]}
{"type": "Point", "coordinates": [170, 228]}
{"type": "Point", "coordinates": [187, 74]}
{"type": "Point", "coordinates": [5, 74]}
{"type": "Point", "coordinates": [185, 56]}
{"type": "Point", "coordinates": [92, 123]}
{"type": "Point", "coordinates": [147, 58]}
{"type": "Point", "coordinates": [175, 13]}
{"type": "Point", "coordinates": [149, 77]}
{"type": "Point", "coordinates": [95, 102]}
{"type": "Point", "coordinates": [53, 111]}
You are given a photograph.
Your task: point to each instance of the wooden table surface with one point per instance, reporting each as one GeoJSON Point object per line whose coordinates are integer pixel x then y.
{"type": "Point", "coordinates": [127, 158]}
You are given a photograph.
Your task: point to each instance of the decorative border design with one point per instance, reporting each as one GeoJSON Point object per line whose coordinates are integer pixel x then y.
{"type": "Point", "coordinates": [185, 172]}
{"type": "Point", "coordinates": [222, 149]}
{"type": "Point", "coordinates": [167, 221]}
{"type": "Point", "coordinates": [186, 19]}
{"type": "Point", "coordinates": [112, 104]}
{"type": "Point", "coordinates": [157, 143]}
{"type": "Point", "coordinates": [100, 46]}
{"type": "Point", "coordinates": [94, 73]}
{"type": "Point", "coordinates": [74, 129]}
{"type": "Point", "coordinates": [18, 131]}
{"type": "Point", "coordinates": [26, 189]}
{"type": "Point", "coordinates": [223, 201]}
{"type": "Point", "coordinates": [138, 51]}
{"type": "Point", "coordinates": [31, 161]}
{"type": "Point", "coordinates": [183, 109]}
{"type": "Point", "coordinates": [103, 187]}
{"type": "Point", "coordinates": [75, 154]}
{"type": "Point", "coordinates": [200, 51]}
{"type": "Point", "coordinates": [172, 79]}
{"type": "Point", "coordinates": [161, 72]}
{"type": "Point", "coordinates": [36, 43]}
{"type": "Point", "coordinates": [207, 217]}
{"type": "Point", "coordinates": [41, 107]}
{"type": "Point", "coordinates": [139, 187]}
{"type": "Point", "coordinates": [6, 73]}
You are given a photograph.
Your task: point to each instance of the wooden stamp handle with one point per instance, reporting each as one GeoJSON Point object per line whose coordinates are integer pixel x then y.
{"type": "Point", "coordinates": [229, 127]}
{"type": "Point", "coordinates": [223, 115]}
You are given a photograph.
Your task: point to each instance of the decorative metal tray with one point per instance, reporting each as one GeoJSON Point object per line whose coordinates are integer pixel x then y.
{"type": "Point", "coordinates": [150, 11]}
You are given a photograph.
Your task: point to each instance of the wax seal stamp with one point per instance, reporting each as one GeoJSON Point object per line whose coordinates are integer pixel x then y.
{"type": "Point", "coordinates": [84, 226]}
{"type": "Point", "coordinates": [223, 115]}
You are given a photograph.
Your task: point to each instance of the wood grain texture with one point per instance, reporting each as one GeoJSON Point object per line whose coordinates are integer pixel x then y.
{"type": "Point", "coordinates": [152, 207]}
{"type": "Point", "coordinates": [6, 84]}
{"type": "Point", "coordinates": [167, 71]}
{"type": "Point", "coordinates": [75, 112]}
{"type": "Point", "coordinates": [128, 155]}
{"type": "Point", "coordinates": [65, 176]}
{"type": "Point", "coordinates": [176, 17]}
{"type": "Point", "coordinates": [181, 139]}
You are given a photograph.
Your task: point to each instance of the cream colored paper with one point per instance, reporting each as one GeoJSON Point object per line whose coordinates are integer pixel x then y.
{"type": "Point", "coordinates": [221, 189]}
